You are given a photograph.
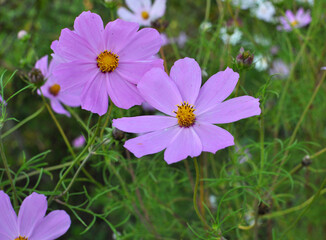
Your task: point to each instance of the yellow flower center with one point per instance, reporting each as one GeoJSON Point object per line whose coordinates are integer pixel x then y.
{"type": "Point", "coordinates": [185, 114]}
{"type": "Point", "coordinates": [294, 23]}
{"type": "Point", "coordinates": [107, 61]}
{"type": "Point", "coordinates": [21, 238]}
{"type": "Point", "coordinates": [145, 15]}
{"type": "Point", "coordinates": [54, 89]}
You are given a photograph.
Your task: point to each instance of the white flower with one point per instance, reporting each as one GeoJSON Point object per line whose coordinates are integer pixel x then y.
{"type": "Point", "coordinates": [182, 39]}
{"type": "Point", "coordinates": [311, 2]}
{"type": "Point", "coordinates": [205, 26]}
{"type": "Point", "coordinates": [21, 34]}
{"type": "Point", "coordinates": [143, 11]}
{"type": "Point", "coordinates": [244, 4]}
{"type": "Point", "coordinates": [279, 68]}
{"type": "Point", "coordinates": [265, 11]}
{"type": "Point", "coordinates": [261, 63]}
{"type": "Point", "coordinates": [262, 40]}
{"type": "Point", "coordinates": [233, 38]}
{"type": "Point", "coordinates": [213, 200]}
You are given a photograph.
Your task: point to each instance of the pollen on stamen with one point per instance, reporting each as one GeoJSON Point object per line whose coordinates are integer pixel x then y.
{"type": "Point", "coordinates": [54, 89]}
{"type": "Point", "coordinates": [107, 61]}
{"type": "Point", "coordinates": [21, 238]}
{"type": "Point", "coordinates": [294, 23]}
{"type": "Point", "coordinates": [145, 15]}
{"type": "Point", "coordinates": [185, 114]}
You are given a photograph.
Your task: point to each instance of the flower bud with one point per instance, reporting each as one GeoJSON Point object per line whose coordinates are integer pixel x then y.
{"type": "Point", "coordinates": [244, 59]}
{"type": "Point", "coordinates": [118, 134]}
{"type": "Point", "coordinates": [306, 161]}
{"type": "Point", "coordinates": [36, 77]}
{"type": "Point", "coordinates": [160, 25]}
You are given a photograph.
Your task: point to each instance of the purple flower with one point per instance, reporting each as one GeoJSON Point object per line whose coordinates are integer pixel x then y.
{"type": "Point", "coordinates": [143, 11]}
{"type": "Point", "coordinates": [105, 61]}
{"type": "Point", "coordinates": [290, 21]}
{"type": "Point", "coordinates": [2, 101]}
{"type": "Point", "coordinates": [79, 141]}
{"type": "Point", "coordinates": [31, 223]}
{"type": "Point", "coordinates": [280, 69]}
{"type": "Point", "coordinates": [188, 129]}
{"type": "Point", "coordinates": [53, 90]}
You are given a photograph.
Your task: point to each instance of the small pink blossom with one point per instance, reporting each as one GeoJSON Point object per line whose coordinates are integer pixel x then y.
{"type": "Point", "coordinates": [191, 112]}
{"type": "Point", "coordinates": [53, 90]}
{"type": "Point", "coordinates": [31, 223]}
{"type": "Point", "coordinates": [290, 21]}
{"type": "Point", "coordinates": [79, 141]}
{"type": "Point", "coordinates": [105, 61]}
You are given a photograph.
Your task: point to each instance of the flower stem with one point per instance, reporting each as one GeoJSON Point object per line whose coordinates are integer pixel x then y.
{"type": "Point", "coordinates": [106, 119]}
{"type": "Point", "coordinates": [164, 60]}
{"type": "Point", "coordinates": [58, 126]}
{"type": "Point", "coordinates": [76, 160]}
{"type": "Point", "coordinates": [195, 194]}
{"type": "Point", "coordinates": [5, 163]}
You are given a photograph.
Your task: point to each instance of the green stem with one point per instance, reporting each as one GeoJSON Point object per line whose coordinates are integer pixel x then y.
{"type": "Point", "coordinates": [22, 123]}
{"type": "Point", "coordinates": [58, 126]}
{"type": "Point", "coordinates": [262, 146]}
{"type": "Point", "coordinates": [76, 160]}
{"type": "Point", "coordinates": [318, 153]}
{"type": "Point", "coordinates": [195, 194]}
{"type": "Point", "coordinates": [106, 119]}
{"type": "Point", "coordinates": [5, 163]}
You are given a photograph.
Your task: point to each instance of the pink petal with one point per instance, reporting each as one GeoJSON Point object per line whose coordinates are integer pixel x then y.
{"type": "Point", "coordinates": [54, 225]}
{"type": "Point", "coordinates": [158, 9]}
{"type": "Point", "coordinates": [8, 218]}
{"type": "Point", "coordinates": [118, 34]}
{"type": "Point", "coordinates": [186, 143]}
{"type": "Point", "coordinates": [31, 213]}
{"type": "Point", "coordinates": [74, 75]}
{"type": "Point", "coordinates": [70, 98]}
{"type": "Point", "coordinates": [153, 142]}
{"type": "Point", "coordinates": [232, 110]}
{"type": "Point", "coordinates": [90, 27]}
{"type": "Point", "coordinates": [122, 93]}
{"type": "Point", "coordinates": [144, 124]}
{"type": "Point", "coordinates": [160, 91]}
{"type": "Point", "coordinates": [187, 75]}
{"type": "Point", "coordinates": [133, 71]}
{"type": "Point", "coordinates": [58, 108]}
{"type": "Point", "coordinates": [42, 65]}
{"type": "Point", "coordinates": [73, 47]}
{"type": "Point", "coordinates": [216, 89]}
{"type": "Point", "coordinates": [213, 138]}
{"type": "Point", "coordinates": [94, 97]}
{"type": "Point", "coordinates": [143, 45]}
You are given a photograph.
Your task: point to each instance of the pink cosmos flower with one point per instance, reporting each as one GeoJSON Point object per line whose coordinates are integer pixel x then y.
{"type": "Point", "coordinates": [52, 89]}
{"type": "Point", "coordinates": [290, 21]}
{"type": "Point", "coordinates": [106, 61]}
{"type": "Point", "coordinates": [191, 112]}
{"type": "Point", "coordinates": [143, 11]}
{"type": "Point", "coordinates": [79, 141]}
{"type": "Point", "coordinates": [31, 223]}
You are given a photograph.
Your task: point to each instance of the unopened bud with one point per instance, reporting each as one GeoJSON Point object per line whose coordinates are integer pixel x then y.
{"type": "Point", "coordinates": [36, 77]}
{"type": "Point", "coordinates": [160, 25]}
{"type": "Point", "coordinates": [118, 134]}
{"type": "Point", "coordinates": [263, 208]}
{"type": "Point", "coordinates": [244, 58]}
{"type": "Point", "coordinates": [306, 161]}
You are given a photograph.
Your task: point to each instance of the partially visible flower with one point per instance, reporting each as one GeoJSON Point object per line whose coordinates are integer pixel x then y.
{"type": "Point", "coordinates": [2, 101]}
{"type": "Point", "coordinates": [265, 11]}
{"type": "Point", "coordinates": [279, 68]}
{"type": "Point", "coordinates": [290, 21]}
{"type": "Point", "coordinates": [118, 134]}
{"type": "Point", "coordinates": [261, 40]}
{"type": "Point", "coordinates": [147, 107]}
{"type": "Point", "coordinates": [244, 154]}
{"type": "Point", "coordinates": [188, 128]}
{"type": "Point", "coordinates": [311, 2]}
{"type": "Point", "coordinates": [232, 37]}
{"type": "Point", "coordinates": [21, 34]}
{"type": "Point", "coordinates": [274, 50]}
{"type": "Point", "coordinates": [213, 200]}
{"type": "Point", "coordinates": [31, 223]}
{"type": "Point", "coordinates": [142, 12]}
{"type": "Point", "coordinates": [323, 68]}
{"type": "Point", "coordinates": [79, 141]}
{"type": "Point", "coordinates": [244, 4]}
{"type": "Point", "coordinates": [53, 90]}
{"type": "Point", "coordinates": [261, 63]}
{"type": "Point", "coordinates": [102, 62]}
{"type": "Point", "coordinates": [165, 39]}
{"type": "Point", "coordinates": [36, 77]}
{"type": "Point", "coordinates": [182, 39]}
{"type": "Point", "coordinates": [205, 26]}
